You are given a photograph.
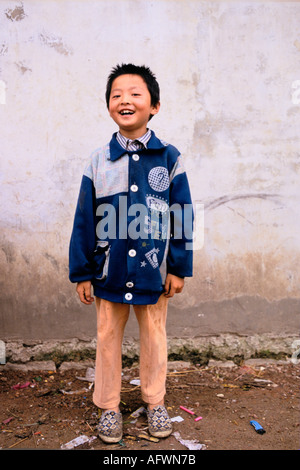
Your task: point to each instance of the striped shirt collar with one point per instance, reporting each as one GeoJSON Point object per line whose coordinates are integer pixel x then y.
{"type": "Point", "coordinates": [136, 144]}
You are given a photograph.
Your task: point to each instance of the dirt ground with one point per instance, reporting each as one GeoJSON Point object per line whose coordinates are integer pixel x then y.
{"type": "Point", "coordinates": [45, 410]}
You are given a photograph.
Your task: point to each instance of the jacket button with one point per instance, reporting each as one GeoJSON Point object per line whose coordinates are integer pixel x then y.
{"type": "Point", "coordinates": [134, 188]}
{"type": "Point", "coordinates": [128, 296]}
{"type": "Point", "coordinates": [135, 157]}
{"type": "Point", "coordinates": [132, 253]}
{"type": "Point", "coordinates": [129, 284]}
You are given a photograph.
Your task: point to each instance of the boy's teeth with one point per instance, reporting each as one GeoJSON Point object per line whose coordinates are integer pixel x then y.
{"type": "Point", "coordinates": [126, 112]}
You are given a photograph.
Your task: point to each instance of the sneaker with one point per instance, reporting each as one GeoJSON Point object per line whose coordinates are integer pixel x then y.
{"type": "Point", "coordinates": [159, 422]}
{"type": "Point", "coordinates": [110, 426]}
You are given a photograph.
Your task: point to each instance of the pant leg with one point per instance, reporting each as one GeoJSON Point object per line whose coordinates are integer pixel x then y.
{"type": "Point", "coordinates": [153, 349]}
{"type": "Point", "coordinates": [111, 320]}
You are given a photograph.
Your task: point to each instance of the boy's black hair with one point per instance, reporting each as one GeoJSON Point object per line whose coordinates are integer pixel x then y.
{"type": "Point", "coordinates": [144, 72]}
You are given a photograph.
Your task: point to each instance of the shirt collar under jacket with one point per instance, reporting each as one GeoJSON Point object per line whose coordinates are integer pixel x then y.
{"type": "Point", "coordinates": [116, 149]}
{"type": "Point", "coordinates": [135, 144]}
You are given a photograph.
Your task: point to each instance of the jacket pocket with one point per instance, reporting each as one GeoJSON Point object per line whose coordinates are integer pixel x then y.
{"type": "Point", "coordinates": [101, 260]}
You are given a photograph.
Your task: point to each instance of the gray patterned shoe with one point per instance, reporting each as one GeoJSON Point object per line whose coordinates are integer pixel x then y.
{"type": "Point", "coordinates": [159, 422]}
{"type": "Point", "coordinates": [110, 426]}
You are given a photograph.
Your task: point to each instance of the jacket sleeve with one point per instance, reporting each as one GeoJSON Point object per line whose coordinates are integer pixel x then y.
{"type": "Point", "coordinates": [180, 254]}
{"type": "Point", "coordinates": [83, 238]}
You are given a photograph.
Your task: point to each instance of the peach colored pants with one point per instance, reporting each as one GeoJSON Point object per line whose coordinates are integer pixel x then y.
{"type": "Point", "coordinates": [111, 320]}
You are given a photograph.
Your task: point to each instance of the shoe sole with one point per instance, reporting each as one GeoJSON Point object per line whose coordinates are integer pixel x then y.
{"type": "Point", "coordinates": [161, 433]}
{"type": "Point", "coordinates": [110, 440]}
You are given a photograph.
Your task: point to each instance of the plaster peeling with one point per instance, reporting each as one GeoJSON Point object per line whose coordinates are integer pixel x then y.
{"type": "Point", "coordinates": [22, 68]}
{"type": "Point", "coordinates": [56, 43]}
{"type": "Point", "coordinates": [3, 48]}
{"type": "Point", "coordinates": [296, 93]}
{"type": "Point", "coordinates": [2, 92]}
{"type": "Point", "coordinates": [16, 14]}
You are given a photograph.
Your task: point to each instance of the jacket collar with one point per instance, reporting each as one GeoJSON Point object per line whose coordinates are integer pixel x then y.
{"type": "Point", "coordinates": [116, 150]}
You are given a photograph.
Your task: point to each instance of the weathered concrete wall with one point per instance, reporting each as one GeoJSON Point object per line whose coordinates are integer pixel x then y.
{"type": "Point", "coordinates": [230, 85]}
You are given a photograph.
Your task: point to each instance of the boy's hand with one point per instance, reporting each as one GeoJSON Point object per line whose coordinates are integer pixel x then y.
{"type": "Point", "coordinates": [173, 285]}
{"type": "Point", "coordinates": [83, 289]}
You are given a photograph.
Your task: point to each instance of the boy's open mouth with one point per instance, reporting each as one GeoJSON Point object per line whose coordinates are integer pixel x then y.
{"type": "Point", "coordinates": [126, 112]}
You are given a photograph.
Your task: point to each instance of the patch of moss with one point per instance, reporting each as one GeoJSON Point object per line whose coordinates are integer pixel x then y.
{"type": "Point", "coordinates": [192, 355]}
{"type": "Point", "coordinates": [129, 361]}
{"type": "Point", "coordinates": [266, 354]}
{"type": "Point", "coordinates": [58, 357]}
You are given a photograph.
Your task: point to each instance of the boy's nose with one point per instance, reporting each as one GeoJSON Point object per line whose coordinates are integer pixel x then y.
{"type": "Point", "coordinates": [125, 99]}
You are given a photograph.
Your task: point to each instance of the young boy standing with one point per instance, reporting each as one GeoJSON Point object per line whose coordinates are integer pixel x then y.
{"type": "Point", "coordinates": [129, 242]}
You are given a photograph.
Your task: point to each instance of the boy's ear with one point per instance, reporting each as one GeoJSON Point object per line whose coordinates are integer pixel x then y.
{"type": "Point", "coordinates": [155, 108]}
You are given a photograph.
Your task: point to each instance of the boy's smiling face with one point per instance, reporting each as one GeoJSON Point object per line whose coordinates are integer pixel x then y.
{"type": "Point", "coordinates": [130, 105]}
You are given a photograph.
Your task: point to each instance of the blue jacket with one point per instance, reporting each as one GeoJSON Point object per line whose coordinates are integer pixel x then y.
{"type": "Point", "coordinates": [133, 222]}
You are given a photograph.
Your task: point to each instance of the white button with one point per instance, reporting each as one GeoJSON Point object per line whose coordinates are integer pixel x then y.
{"type": "Point", "coordinates": [132, 253]}
{"type": "Point", "coordinates": [135, 157]}
{"type": "Point", "coordinates": [134, 188]}
{"type": "Point", "coordinates": [128, 296]}
{"type": "Point", "coordinates": [129, 284]}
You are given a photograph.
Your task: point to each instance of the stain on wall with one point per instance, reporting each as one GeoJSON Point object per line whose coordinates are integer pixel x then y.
{"type": "Point", "coordinates": [55, 42]}
{"type": "Point", "coordinates": [15, 14]}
